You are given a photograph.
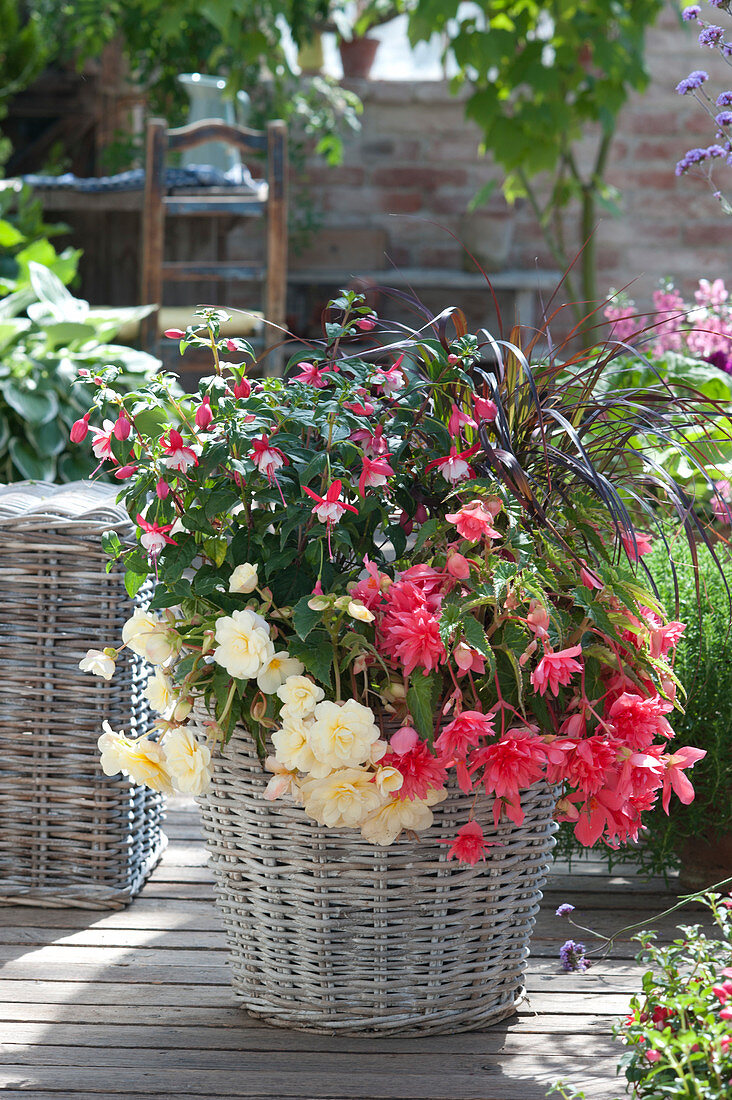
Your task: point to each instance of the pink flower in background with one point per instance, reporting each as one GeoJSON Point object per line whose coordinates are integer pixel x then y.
{"type": "Point", "coordinates": [720, 502]}
{"type": "Point", "coordinates": [556, 670]}
{"type": "Point", "coordinates": [638, 548]}
{"type": "Point", "coordinates": [712, 295]}
{"type": "Point", "coordinates": [711, 334]}
{"type": "Point", "coordinates": [674, 778]}
{"type": "Point", "coordinates": [374, 473]}
{"type": "Point", "coordinates": [625, 321]}
{"type": "Point", "coordinates": [470, 845]}
{"type": "Point", "coordinates": [421, 770]}
{"type": "Point", "coordinates": [177, 455]}
{"type": "Point", "coordinates": [455, 467]}
{"type": "Point", "coordinates": [474, 522]}
{"type": "Point", "coordinates": [669, 321]}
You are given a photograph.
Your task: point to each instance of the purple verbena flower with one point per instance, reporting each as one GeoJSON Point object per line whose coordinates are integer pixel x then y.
{"type": "Point", "coordinates": [724, 118]}
{"type": "Point", "coordinates": [718, 3]}
{"type": "Point", "coordinates": [692, 82]}
{"type": "Point", "coordinates": [572, 956]}
{"type": "Point", "coordinates": [724, 99]}
{"type": "Point", "coordinates": [565, 909]}
{"type": "Point", "coordinates": [691, 13]}
{"type": "Point", "coordinates": [711, 35]}
{"type": "Point", "coordinates": [697, 156]}
{"type": "Point", "coordinates": [727, 49]}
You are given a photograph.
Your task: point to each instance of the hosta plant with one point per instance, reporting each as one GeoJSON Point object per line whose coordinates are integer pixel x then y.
{"type": "Point", "coordinates": [399, 569]}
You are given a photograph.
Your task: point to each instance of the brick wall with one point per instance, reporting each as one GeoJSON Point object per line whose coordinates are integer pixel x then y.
{"type": "Point", "coordinates": [416, 161]}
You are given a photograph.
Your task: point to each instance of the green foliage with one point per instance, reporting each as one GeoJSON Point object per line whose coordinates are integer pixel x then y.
{"type": "Point", "coordinates": [540, 77]}
{"type": "Point", "coordinates": [46, 337]}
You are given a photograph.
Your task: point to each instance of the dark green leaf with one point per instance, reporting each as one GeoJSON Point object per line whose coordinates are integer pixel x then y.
{"type": "Point", "coordinates": [134, 582]}
{"type": "Point", "coordinates": [316, 654]}
{"type": "Point", "coordinates": [304, 618]}
{"type": "Point", "coordinates": [422, 698]}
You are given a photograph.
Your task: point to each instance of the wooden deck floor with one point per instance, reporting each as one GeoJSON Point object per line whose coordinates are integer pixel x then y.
{"type": "Point", "coordinates": [137, 1004]}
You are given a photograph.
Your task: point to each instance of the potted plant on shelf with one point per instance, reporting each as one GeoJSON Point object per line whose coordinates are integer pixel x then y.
{"type": "Point", "coordinates": [391, 643]}
{"type": "Point", "coordinates": [356, 46]}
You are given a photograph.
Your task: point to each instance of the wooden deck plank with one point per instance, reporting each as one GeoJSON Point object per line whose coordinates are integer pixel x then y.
{"type": "Point", "coordinates": [136, 1003]}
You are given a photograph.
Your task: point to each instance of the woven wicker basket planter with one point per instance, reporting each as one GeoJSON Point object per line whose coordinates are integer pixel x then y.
{"type": "Point", "coordinates": [69, 835]}
{"type": "Point", "coordinates": [329, 933]}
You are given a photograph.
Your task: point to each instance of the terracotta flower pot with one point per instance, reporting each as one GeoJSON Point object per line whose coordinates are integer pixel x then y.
{"type": "Point", "coordinates": [357, 57]}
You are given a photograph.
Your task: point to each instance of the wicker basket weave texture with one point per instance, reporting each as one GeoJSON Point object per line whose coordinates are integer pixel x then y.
{"type": "Point", "coordinates": [329, 933]}
{"type": "Point", "coordinates": [69, 835]}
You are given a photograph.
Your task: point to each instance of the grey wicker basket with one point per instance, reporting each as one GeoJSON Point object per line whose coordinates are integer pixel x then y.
{"type": "Point", "coordinates": [329, 933]}
{"type": "Point", "coordinates": [69, 835]}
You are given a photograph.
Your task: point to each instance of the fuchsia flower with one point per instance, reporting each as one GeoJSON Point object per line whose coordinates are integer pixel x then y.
{"type": "Point", "coordinates": [330, 508]}
{"type": "Point", "coordinates": [366, 324]}
{"type": "Point", "coordinates": [174, 333]}
{"type": "Point", "coordinates": [155, 536]}
{"type": "Point", "coordinates": [204, 415]}
{"type": "Point", "coordinates": [474, 522]}
{"type": "Point", "coordinates": [102, 444]}
{"type": "Point", "coordinates": [457, 419]}
{"type": "Point", "coordinates": [455, 467]}
{"type": "Point", "coordinates": [422, 772]}
{"type": "Point", "coordinates": [389, 379]}
{"type": "Point", "coordinates": [266, 458]}
{"type": "Point", "coordinates": [369, 590]}
{"type": "Point", "coordinates": [374, 473]}
{"type": "Point", "coordinates": [312, 374]}
{"type": "Point", "coordinates": [360, 409]}
{"type": "Point", "coordinates": [373, 443]}
{"type": "Point", "coordinates": [555, 670]}
{"type": "Point", "coordinates": [485, 409]}
{"type": "Point", "coordinates": [674, 778]}
{"type": "Point", "coordinates": [162, 489]}
{"type": "Point", "coordinates": [470, 845]}
{"type": "Point", "coordinates": [177, 455]}
{"type": "Point", "coordinates": [126, 471]}
{"type": "Point", "coordinates": [636, 550]}
{"type": "Point", "coordinates": [589, 579]}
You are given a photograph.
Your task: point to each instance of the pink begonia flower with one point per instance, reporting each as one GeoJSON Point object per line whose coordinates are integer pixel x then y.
{"type": "Point", "coordinates": [122, 427]}
{"type": "Point", "coordinates": [313, 375]}
{"type": "Point", "coordinates": [538, 619]}
{"type": "Point", "coordinates": [155, 535]}
{"type": "Point", "coordinates": [556, 670]}
{"type": "Point", "coordinates": [470, 845]}
{"type": "Point", "coordinates": [584, 764]}
{"type": "Point", "coordinates": [588, 578]}
{"type": "Point", "coordinates": [674, 778]}
{"type": "Point", "coordinates": [266, 458]}
{"type": "Point", "coordinates": [422, 772]}
{"type": "Point", "coordinates": [330, 508]}
{"type": "Point", "coordinates": [661, 637]}
{"type": "Point", "coordinates": [102, 445]}
{"type": "Point", "coordinates": [515, 761]}
{"type": "Point", "coordinates": [369, 589]}
{"type": "Point", "coordinates": [474, 522]}
{"type": "Point", "coordinates": [242, 388]}
{"type": "Point", "coordinates": [636, 550]}
{"type": "Point", "coordinates": [79, 429]}
{"type": "Point", "coordinates": [282, 781]}
{"type": "Point", "coordinates": [603, 811]}
{"type": "Point", "coordinates": [638, 721]}
{"type": "Point", "coordinates": [177, 455]}
{"type": "Point", "coordinates": [467, 659]}
{"type": "Point", "coordinates": [485, 409]}
{"type": "Point", "coordinates": [403, 740]}
{"type": "Point", "coordinates": [389, 379]}
{"type": "Point", "coordinates": [374, 473]}
{"type": "Point", "coordinates": [457, 419]}
{"type": "Point", "coordinates": [204, 414]}
{"type": "Point", "coordinates": [409, 631]}
{"type": "Point", "coordinates": [455, 467]}
{"type": "Point", "coordinates": [458, 738]}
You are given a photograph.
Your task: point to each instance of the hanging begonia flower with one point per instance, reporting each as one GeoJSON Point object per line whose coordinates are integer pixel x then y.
{"type": "Point", "coordinates": [455, 466]}
{"type": "Point", "coordinates": [177, 455]}
{"type": "Point", "coordinates": [555, 670]}
{"type": "Point", "coordinates": [470, 845]}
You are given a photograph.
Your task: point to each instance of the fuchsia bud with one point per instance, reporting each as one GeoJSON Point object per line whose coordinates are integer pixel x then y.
{"type": "Point", "coordinates": [204, 416]}
{"type": "Point", "coordinates": [162, 489]}
{"type": "Point", "coordinates": [318, 590]}
{"type": "Point", "coordinates": [405, 523]}
{"type": "Point", "coordinates": [233, 345]}
{"type": "Point", "coordinates": [79, 429]}
{"type": "Point", "coordinates": [242, 388]}
{"type": "Point", "coordinates": [458, 567]}
{"type": "Point", "coordinates": [125, 472]}
{"type": "Point", "coordinates": [365, 324]}
{"type": "Point", "coordinates": [453, 359]}
{"type": "Point", "coordinates": [122, 426]}
{"type": "Point", "coordinates": [421, 515]}
{"type": "Point", "coordinates": [174, 333]}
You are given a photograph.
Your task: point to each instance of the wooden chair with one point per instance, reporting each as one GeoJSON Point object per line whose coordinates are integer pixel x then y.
{"type": "Point", "coordinates": [271, 203]}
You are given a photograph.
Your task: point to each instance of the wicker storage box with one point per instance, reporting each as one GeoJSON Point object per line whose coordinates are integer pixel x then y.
{"type": "Point", "coordinates": [328, 933]}
{"type": "Point", "coordinates": [69, 835]}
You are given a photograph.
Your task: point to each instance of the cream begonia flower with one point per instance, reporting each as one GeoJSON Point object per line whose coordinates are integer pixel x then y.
{"type": "Point", "coordinates": [188, 760]}
{"type": "Point", "coordinates": [138, 757]}
{"type": "Point", "coordinates": [346, 797]}
{"type": "Point", "coordinates": [360, 611]}
{"type": "Point", "coordinates": [292, 749]}
{"type": "Point", "coordinates": [389, 780]}
{"type": "Point", "coordinates": [279, 668]}
{"type": "Point", "coordinates": [342, 735]}
{"type": "Point", "coordinates": [98, 663]}
{"type": "Point", "coordinates": [244, 646]}
{"type": "Point", "coordinates": [299, 696]}
{"type": "Point", "coordinates": [387, 822]}
{"type": "Point", "coordinates": [283, 781]}
{"type": "Point", "coordinates": [150, 637]}
{"type": "Point", "coordinates": [244, 578]}
{"type": "Point", "coordinates": [160, 691]}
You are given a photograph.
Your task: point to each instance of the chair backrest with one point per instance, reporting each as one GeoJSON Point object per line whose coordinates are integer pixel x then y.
{"type": "Point", "coordinates": [271, 143]}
